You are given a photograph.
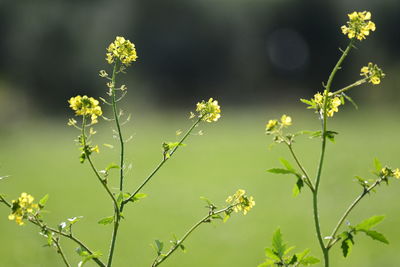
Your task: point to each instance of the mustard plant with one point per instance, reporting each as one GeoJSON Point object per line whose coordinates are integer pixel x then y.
{"type": "Point", "coordinates": [121, 54]}
{"type": "Point", "coordinates": [325, 104]}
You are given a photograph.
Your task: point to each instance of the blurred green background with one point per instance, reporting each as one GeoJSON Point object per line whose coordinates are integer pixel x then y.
{"type": "Point", "coordinates": [257, 58]}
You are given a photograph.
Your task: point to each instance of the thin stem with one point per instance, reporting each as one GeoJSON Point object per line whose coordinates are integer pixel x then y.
{"type": "Point", "coordinates": [165, 159]}
{"type": "Point", "coordinates": [117, 215]}
{"type": "Point", "coordinates": [344, 89]}
{"type": "Point", "coordinates": [93, 167]}
{"type": "Point", "coordinates": [60, 251]}
{"type": "Point", "coordinates": [69, 236]}
{"type": "Point", "coordinates": [323, 147]}
{"type": "Point", "coordinates": [116, 117]}
{"type": "Point", "coordinates": [2, 199]}
{"type": "Point", "coordinates": [347, 212]}
{"type": "Point", "coordinates": [205, 219]}
{"type": "Point", "coordinates": [307, 180]}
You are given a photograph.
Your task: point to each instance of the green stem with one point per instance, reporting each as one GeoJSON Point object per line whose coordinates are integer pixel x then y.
{"type": "Point", "coordinates": [117, 216]}
{"type": "Point", "coordinates": [344, 89]}
{"type": "Point", "coordinates": [323, 147]}
{"type": "Point", "coordinates": [307, 180]}
{"type": "Point", "coordinates": [60, 251]}
{"type": "Point", "coordinates": [2, 199]}
{"type": "Point", "coordinates": [205, 219]}
{"type": "Point", "coordinates": [69, 236]}
{"type": "Point", "coordinates": [116, 117]}
{"type": "Point", "coordinates": [333, 239]}
{"type": "Point", "coordinates": [165, 159]}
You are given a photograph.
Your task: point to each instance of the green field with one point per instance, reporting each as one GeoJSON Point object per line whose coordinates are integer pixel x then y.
{"type": "Point", "coordinates": [234, 153]}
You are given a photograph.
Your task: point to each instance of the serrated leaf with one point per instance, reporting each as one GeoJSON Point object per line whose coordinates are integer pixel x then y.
{"type": "Point", "coordinates": [369, 223]}
{"type": "Point", "coordinates": [43, 201]}
{"type": "Point", "coordinates": [277, 243]}
{"type": "Point", "coordinates": [279, 171]}
{"type": "Point", "coordinates": [378, 165]}
{"type": "Point", "coordinates": [346, 247]}
{"type": "Point", "coordinates": [376, 236]}
{"type": "Point", "coordinates": [350, 100]}
{"type": "Point", "coordinates": [106, 220]}
{"type": "Point", "coordinates": [305, 101]}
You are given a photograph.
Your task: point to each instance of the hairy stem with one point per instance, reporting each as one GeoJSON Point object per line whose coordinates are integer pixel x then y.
{"type": "Point", "coordinates": [205, 219]}
{"type": "Point", "coordinates": [323, 147]}
{"type": "Point", "coordinates": [366, 191]}
{"type": "Point", "coordinates": [165, 159]}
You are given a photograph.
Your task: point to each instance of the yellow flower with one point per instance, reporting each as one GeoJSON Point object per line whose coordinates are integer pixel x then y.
{"type": "Point", "coordinates": [95, 149]}
{"type": "Point", "coordinates": [359, 25]}
{"type": "Point", "coordinates": [271, 125]}
{"type": "Point", "coordinates": [241, 202]}
{"type": "Point", "coordinates": [122, 50]}
{"type": "Point", "coordinates": [209, 111]}
{"type": "Point", "coordinates": [22, 207]}
{"type": "Point", "coordinates": [318, 98]}
{"type": "Point", "coordinates": [84, 105]}
{"type": "Point", "coordinates": [286, 120]}
{"type": "Point", "coordinates": [396, 173]}
{"type": "Point", "coordinates": [373, 73]}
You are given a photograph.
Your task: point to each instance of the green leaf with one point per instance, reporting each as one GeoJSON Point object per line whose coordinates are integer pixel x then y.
{"type": "Point", "coordinates": [43, 201]}
{"type": "Point", "coordinates": [182, 247]}
{"type": "Point", "coordinates": [159, 245]}
{"type": "Point", "coordinates": [74, 220]}
{"type": "Point", "coordinates": [137, 197]}
{"type": "Point", "coordinates": [350, 100]}
{"type": "Point", "coordinates": [277, 243]}
{"type": "Point", "coordinates": [106, 220]}
{"type": "Point", "coordinates": [331, 135]}
{"type": "Point", "coordinates": [279, 171]}
{"type": "Point", "coordinates": [287, 165]}
{"type": "Point", "coordinates": [3, 177]}
{"type": "Point", "coordinates": [267, 263]}
{"type": "Point", "coordinates": [378, 165]}
{"type": "Point", "coordinates": [271, 254]}
{"type": "Point", "coordinates": [112, 166]}
{"type": "Point", "coordinates": [347, 243]}
{"type": "Point", "coordinates": [309, 261]}
{"type": "Point", "coordinates": [293, 260]}
{"type": "Point", "coordinates": [305, 101]}
{"type": "Point", "coordinates": [376, 236]}
{"type": "Point", "coordinates": [207, 200]}
{"type": "Point", "coordinates": [369, 223]}
{"type": "Point", "coordinates": [297, 187]}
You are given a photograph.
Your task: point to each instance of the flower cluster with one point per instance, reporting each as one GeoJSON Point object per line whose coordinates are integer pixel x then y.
{"type": "Point", "coordinates": [22, 207]}
{"type": "Point", "coordinates": [275, 125]}
{"type": "Point", "coordinates": [387, 172]}
{"type": "Point", "coordinates": [317, 103]}
{"type": "Point", "coordinates": [359, 25]}
{"type": "Point", "coordinates": [84, 105]}
{"type": "Point", "coordinates": [241, 202]}
{"type": "Point", "coordinates": [209, 111]}
{"type": "Point", "coordinates": [122, 50]}
{"type": "Point", "coordinates": [373, 73]}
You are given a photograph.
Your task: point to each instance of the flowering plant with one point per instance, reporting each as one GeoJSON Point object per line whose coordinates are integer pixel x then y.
{"type": "Point", "coordinates": [326, 104]}
{"type": "Point", "coordinates": [121, 54]}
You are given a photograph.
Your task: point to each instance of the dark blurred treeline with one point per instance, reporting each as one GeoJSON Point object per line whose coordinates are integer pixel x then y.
{"type": "Point", "coordinates": [240, 51]}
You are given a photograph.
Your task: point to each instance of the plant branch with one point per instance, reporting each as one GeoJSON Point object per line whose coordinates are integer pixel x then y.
{"type": "Point", "coordinates": [205, 219]}
{"type": "Point", "coordinates": [323, 147]}
{"type": "Point", "coordinates": [70, 237]}
{"type": "Point", "coordinates": [60, 251]}
{"type": "Point", "coordinates": [165, 159]}
{"type": "Point", "coordinates": [307, 180]}
{"type": "Point", "coordinates": [344, 89]}
{"type": "Point", "coordinates": [349, 209]}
